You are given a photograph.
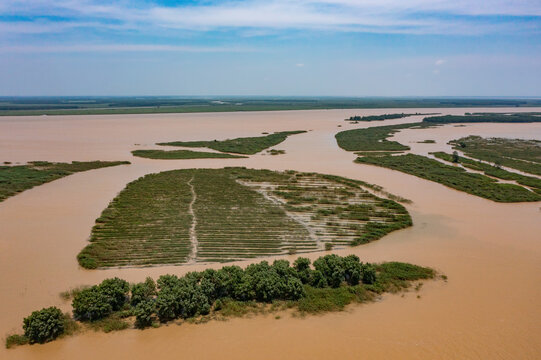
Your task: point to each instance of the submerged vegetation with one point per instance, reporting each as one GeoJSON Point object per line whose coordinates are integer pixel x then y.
{"type": "Point", "coordinates": [15, 179]}
{"type": "Point", "coordinates": [523, 155]}
{"type": "Point", "coordinates": [182, 154]}
{"type": "Point", "coordinates": [485, 117]}
{"type": "Point", "coordinates": [454, 177]}
{"type": "Point", "coordinates": [329, 284]}
{"type": "Point", "coordinates": [246, 145]}
{"type": "Point", "coordinates": [492, 170]}
{"type": "Point", "coordinates": [235, 213]}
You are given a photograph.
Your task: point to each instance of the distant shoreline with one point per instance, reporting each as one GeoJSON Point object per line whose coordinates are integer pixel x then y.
{"type": "Point", "coordinates": [36, 106]}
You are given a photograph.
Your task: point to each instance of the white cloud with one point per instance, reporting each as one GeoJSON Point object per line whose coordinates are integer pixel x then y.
{"type": "Point", "coordinates": [116, 48]}
{"type": "Point", "coordinates": [440, 62]}
{"type": "Point", "coordinates": [299, 65]}
{"type": "Point", "coordinates": [377, 16]}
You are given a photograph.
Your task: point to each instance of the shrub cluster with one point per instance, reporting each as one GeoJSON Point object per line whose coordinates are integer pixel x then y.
{"type": "Point", "coordinates": [101, 300]}
{"type": "Point", "coordinates": [44, 325]}
{"type": "Point", "coordinates": [329, 284]}
{"type": "Point", "coordinates": [196, 293]}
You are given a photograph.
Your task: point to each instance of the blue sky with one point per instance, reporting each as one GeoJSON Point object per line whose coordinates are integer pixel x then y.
{"type": "Point", "coordinates": [271, 47]}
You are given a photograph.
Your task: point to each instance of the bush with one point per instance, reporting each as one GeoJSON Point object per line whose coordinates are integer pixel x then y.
{"type": "Point", "coordinates": [143, 313]}
{"type": "Point", "coordinates": [143, 291]}
{"type": "Point", "coordinates": [304, 273]}
{"type": "Point", "coordinates": [332, 268]}
{"type": "Point", "coordinates": [369, 274]}
{"type": "Point", "coordinates": [116, 290]}
{"type": "Point", "coordinates": [15, 340]}
{"type": "Point", "coordinates": [91, 304]}
{"type": "Point", "coordinates": [44, 325]}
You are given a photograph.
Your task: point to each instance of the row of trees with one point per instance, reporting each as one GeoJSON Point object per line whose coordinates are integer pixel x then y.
{"type": "Point", "coordinates": [197, 293]}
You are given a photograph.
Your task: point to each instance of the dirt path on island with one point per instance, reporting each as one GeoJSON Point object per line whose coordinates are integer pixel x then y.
{"type": "Point", "coordinates": [491, 252]}
{"type": "Point", "coordinates": [193, 234]}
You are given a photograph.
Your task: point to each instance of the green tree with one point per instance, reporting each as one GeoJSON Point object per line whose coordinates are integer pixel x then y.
{"type": "Point", "coordinates": [144, 312]}
{"type": "Point", "coordinates": [44, 325]}
{"type": "Point", "coordinates": [304, 273]}
{"type": "Point", "coordinates": [456, 158]}
{"type": "Point", "coordinates": [91, 304]}
{"type": "Point", "coordinates": [143, 291]}
{"type": "Point", "coordinates": [369, 274]}
{"type": "Point", "coordinates": [332, 268]}
{"type": "Point", "coordinates": [117, 291]}
{"type": "Point", "coordinates": [352, 269]}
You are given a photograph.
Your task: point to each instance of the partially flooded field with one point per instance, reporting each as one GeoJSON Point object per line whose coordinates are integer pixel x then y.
{"type": "Point", "coordinates": [490, 251]}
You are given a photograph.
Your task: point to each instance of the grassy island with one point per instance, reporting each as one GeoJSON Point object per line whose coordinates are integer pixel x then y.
{"type": "Point", "coordinates": [485, 117]}
{"type": "Point", "coordinates": [329, 284]}
{"type": "Point", "coordinates": [246, 145]}
{"type": "Point", "coordinates": [382, 117]}
{"type": "Point", "coordinates": [208, 215]}
{"type": "Point", "coordinates": [375, 138]}
{"type": "Point", "coordinates": [182, 155]}
{"type": "Point", "coordinates": [523, 155]}
{"type": "Point", "coordinates": [492, 170]}
{"type": "Point", "coordinates": [453, 176]}
{"type": "Point", "coordinates": [17, 178]}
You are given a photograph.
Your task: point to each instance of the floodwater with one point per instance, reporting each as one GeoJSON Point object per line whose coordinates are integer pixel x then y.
{"type": "Point", "coordinates": [491, 252]}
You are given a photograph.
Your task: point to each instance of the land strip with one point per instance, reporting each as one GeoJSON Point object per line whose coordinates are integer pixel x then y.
{"type": "Point", "coordinates": [454, 177]}
{"type": "Point", "coordinates": [182, 155]}
{"type": "Point", "coordinates": [17, 178]}
{"type": "Point", "coordinates": [235, 213]}
{"type": "Point", "coordinates": [247, 145]}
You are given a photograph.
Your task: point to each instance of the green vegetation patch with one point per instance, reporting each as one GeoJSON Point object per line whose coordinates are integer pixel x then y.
{"type": "Point", "coordinates": [428, 141]}
{"type": "Point", "coordinates": [15, 179]}
{"type": "Point", "coordinates": [247, 145]}
{"type": "Point", "coordinates": [182, 154]}
{"type": "Point", "coordinates": [329, 284]}
{"type": "Point", "coordinates": [337, 211]}
{"type": "Point", "coordinates": [147, 223]}
{"type": "Point", "coordinates": [375, 138]}
{"type": "Point", "coordinates": [235, 222]}
{"type": "Point", "coordinates": [454, 177]}
{"type": "Point", "coordinates": [523, 155]}
{"type": "Point", "coordinates": [382, 117]}
{"type": "Point", "coordinates": [485, 117]}
{"type": "Point", "coordinates": [235, 213]}
{"type": "Point", "coordinates": [491, 170]}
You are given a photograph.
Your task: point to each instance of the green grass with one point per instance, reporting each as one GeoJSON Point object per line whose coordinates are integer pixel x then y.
{"type": "Point", "coordinates": [235, 221]}
{"type": "Point", "coordinates": [15, 179]}
{"type": "Point", "coordinates": [238, 213]}
{"type": "Point", "coordinates": [523, 155]}
{"type": "Point", "coordinates": [247, 145]}
{"type": "Point", "coordinates": [428, 141]}
{"type": "Point", "coordinates": [374, 138]}
{"type": "Point", "coordinates": [493, 171]}
{"type": "Point", "coordinates": [109, 324]}
{"type": "Point", "coordinates": [16, 340]}
{"type": "Point", "coordinates": [147, 223]}
{"type": "Point", "coordinates": [454, 177]}
{"type": "Point", "coordinates": [485, 117]}
{"type": "Point", "coordinates": [182, 154]}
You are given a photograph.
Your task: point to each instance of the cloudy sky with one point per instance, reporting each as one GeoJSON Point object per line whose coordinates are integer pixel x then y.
{"type": "Point", "coordinates": [271, 47]}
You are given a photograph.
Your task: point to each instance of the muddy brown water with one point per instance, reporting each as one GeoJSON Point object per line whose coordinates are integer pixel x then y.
{"type": "Point", "coordinates": [491, 252]}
